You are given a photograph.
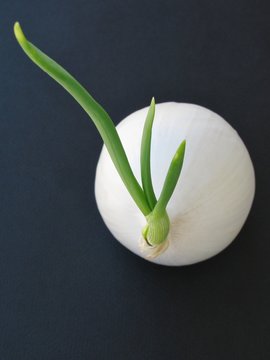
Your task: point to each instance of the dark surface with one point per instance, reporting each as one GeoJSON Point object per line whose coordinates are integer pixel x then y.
{"type": "Point", "coordinates": [68, 289]}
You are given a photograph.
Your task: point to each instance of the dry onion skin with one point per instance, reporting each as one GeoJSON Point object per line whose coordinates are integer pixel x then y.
{"type": "Point", "coordinates": [174, 181]}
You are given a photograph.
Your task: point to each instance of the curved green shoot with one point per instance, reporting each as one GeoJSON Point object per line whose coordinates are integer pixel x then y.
{"type": "Point", "coordinates": [99, 116]}
{"type": "Point", "coordinates": [146, 157]}
{"type": "Point", "coordinates": [158, 222]}
{"type": "Point", "coordinates": [171, 179]}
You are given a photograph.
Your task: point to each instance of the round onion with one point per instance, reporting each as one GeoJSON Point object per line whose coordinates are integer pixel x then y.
{"type": "Point", "coordinates": [212, 198]}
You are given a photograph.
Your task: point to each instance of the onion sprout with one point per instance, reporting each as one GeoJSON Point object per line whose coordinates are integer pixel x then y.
{"type": "Point", "coordinates": [157, 229]}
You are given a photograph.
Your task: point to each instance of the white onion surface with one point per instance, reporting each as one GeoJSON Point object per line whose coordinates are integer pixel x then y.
{"type": "Point", "coordinates": [212, 198]}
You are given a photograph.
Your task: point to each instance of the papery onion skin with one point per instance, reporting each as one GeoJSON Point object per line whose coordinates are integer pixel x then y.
{"type": "Point", "coordinates": [212, 198]}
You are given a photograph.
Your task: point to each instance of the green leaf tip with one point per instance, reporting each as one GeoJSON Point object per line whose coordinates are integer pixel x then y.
{"type": "Point", "coordinates": [180, 151]}
{"type": "Point", "coordinates": [19, 33]}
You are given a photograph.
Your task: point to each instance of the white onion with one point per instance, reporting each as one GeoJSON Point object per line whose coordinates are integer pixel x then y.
{"type": "Point", "coordinates": [212, 198]}
{"type": "Point", "coordinates": [210, 202]}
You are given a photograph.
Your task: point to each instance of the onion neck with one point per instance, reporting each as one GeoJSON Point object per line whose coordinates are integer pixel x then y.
{"type": "Point", "coordinates": [157, 228]}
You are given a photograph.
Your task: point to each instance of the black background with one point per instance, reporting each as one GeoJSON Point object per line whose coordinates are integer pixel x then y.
{"type": "Point", "coordinates": [68, 289]}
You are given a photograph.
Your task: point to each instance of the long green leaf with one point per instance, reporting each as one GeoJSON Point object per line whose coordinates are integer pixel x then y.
{"type": "Point", "coordinates": [99, 116]}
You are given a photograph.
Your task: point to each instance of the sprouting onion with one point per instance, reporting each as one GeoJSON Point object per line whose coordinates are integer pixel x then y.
{"type": "Point", "coordinates": [167, 221]}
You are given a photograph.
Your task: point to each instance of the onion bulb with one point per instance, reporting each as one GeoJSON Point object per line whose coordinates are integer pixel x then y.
{"type": "Point", "coordinates": [212, 198]}
{"type": "Point", "coordinates": [174, 182]}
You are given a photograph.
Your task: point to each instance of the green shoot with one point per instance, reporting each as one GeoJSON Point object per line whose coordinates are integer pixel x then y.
{"type": "Point", "coordinates": [158, 223]}
{"type": "Point", "coordinates": [99, 116]}
{"type": "Point", "coordinates": [172, 177]}
{"type": "Point", "coordinates": [146, 157]}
